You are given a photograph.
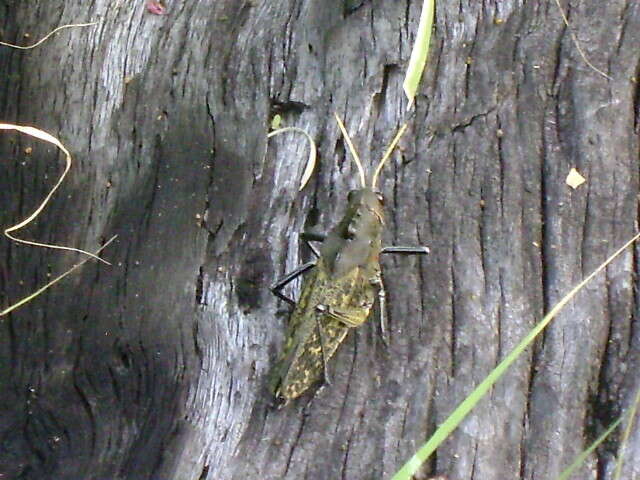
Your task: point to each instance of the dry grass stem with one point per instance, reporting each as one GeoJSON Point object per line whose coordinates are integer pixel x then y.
{"type": "Point", "coordinates": [44, 39]}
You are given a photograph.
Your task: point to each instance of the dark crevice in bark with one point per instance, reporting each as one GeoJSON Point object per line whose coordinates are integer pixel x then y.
{"type": "Point", "coordinates": [636, 100]}
{"type": "Point", "coordinates": [634, 324]}
{"type": "Point", "coordinates": [454, 326]}
{"type": "Point", "coordinates": [204, 475]}
{"type": "Point", "coordinates": [546, 208]}
{"type": "Point", "coordinates": [296, 440]}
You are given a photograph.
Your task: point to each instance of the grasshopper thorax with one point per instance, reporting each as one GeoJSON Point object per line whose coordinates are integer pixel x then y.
{"type": "Point", "coordinates": [356, 240]}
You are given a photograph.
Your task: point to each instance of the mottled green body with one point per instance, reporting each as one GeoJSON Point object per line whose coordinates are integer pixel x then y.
{"type": "Point", "coordinates": [337, 295]}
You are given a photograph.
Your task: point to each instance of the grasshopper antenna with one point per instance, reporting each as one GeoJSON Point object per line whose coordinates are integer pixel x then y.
{"type": "Point", "coordinates": [363, 179]}
{"type": "Point", "coordinates": [386, 156]}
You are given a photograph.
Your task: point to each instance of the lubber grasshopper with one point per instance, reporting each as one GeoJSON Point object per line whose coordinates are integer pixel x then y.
{"type": "Point", "coordinates": [339, 292]}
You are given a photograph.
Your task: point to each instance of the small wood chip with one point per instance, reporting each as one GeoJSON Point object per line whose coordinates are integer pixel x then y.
{"type": "Point", "coordinates": [574, 179]}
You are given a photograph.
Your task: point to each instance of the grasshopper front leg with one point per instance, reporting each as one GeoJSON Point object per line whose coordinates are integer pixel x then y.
{"type": "Point", "coordinates": [382, 302]}
{"type": "Point", "coordinates": [277, 287]}
{"type": "Point", "coordinates": [420, 250]}
{"type": "Point", "coordinates": [403, 250]}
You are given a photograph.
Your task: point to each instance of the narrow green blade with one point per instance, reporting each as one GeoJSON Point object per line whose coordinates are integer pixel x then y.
{"type": "Point", "coordinates": [420, 50]}
{"type": "Point", "coordinates": [462, 410]}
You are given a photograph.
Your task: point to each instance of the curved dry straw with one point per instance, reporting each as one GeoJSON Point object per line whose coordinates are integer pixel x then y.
{"type": "Point", "coordinates": [42, 135]}
{"type": "Point", "coordinates": [356, 158]}
{"type": "Point", "coordinates": [311, 163]}
{"type": "Point", "coordinates": [44, 39]}
{"type": "Point", "coordinates": [33, 295]}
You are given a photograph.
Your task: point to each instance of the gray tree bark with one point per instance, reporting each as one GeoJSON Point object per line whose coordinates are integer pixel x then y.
{"type": "Point", "coordinates": [155, 367]}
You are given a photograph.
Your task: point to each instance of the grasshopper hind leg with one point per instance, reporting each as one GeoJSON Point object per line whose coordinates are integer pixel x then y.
{"type": "Point", "coordinates": [323, 347]}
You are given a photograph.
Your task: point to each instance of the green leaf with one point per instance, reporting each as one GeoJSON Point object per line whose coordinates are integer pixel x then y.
{"type": "Point", "coordinates": [276, 122]}
{"type": "Point", "coordinates": [420, 50]}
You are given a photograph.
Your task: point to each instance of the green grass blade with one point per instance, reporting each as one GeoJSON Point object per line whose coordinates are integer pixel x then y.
{"type": "Point", "coordinates": [583, 456]}
{"type": "Point", "coordinates": [419, 53]}
{"type": "Point", "coordinates": [626, 434]}
{"type": "Point", "coordinates": [451, 423]}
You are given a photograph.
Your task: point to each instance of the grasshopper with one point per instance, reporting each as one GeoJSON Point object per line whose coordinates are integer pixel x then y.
{"type": "Point", "coordinates": [339, 292]}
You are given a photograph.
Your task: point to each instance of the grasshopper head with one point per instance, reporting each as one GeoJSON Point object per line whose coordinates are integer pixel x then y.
{"type": "Point", "coordinates": [365, 215]}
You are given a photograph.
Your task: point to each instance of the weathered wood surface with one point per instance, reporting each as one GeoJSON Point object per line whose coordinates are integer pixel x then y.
{"type": "Point", "coordinates": [155, 368]}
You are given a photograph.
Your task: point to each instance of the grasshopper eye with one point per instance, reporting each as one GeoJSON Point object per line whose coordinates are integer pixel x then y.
{"type": "Point", "coordinates": [380, 197]}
